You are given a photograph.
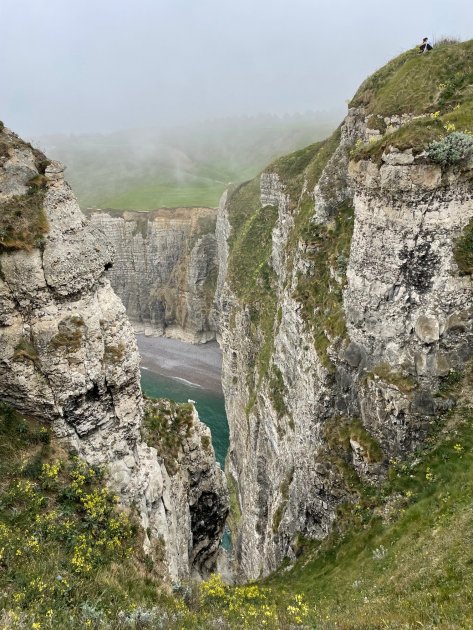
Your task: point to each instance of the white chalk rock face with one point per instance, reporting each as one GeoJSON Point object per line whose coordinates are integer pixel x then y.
{"type": "Point", "coordinates": [407, 311]}
{"type": "Point", "coordinates": [68, 356]}
{"type": "Point", "coordinates": [165, 269]}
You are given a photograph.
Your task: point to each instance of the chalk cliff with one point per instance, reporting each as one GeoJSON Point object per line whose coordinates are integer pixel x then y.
{"type": "Point", "coordinates": [164, 269]}
{"type": "Point", "coordinates": [344, 308]}
{"type": "Point", "coordinates": [68, 357]}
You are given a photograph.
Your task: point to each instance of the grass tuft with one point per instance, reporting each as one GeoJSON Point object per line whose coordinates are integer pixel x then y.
{"type": "Point", "coordinates": [23, 222]}
{"type": "Point", "coordinates": [404, 382]}
{"type": "Point", "coordinates": [340, 430]}
{"type": "Point", "coordinates": [284, 493]}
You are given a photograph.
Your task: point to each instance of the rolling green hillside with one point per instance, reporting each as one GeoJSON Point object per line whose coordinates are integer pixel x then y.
{"type": "Point", "coordinates": [144, 169]}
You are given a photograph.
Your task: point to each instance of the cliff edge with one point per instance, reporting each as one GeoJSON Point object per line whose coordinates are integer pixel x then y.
{"type": "Point", "coordinates": [68, 357]}
{"type": "Point", "coordinates": [345, 301]}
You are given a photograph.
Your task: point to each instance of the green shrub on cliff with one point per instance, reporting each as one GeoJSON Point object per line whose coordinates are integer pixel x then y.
{"type": "Point", "coordinates": [455, 147]}
{"type": "Point", "coordinates": [166, 425]}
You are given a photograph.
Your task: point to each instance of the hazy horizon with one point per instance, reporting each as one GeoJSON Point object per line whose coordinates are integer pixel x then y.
{"type": "Point", "coordinates": [86, 67]}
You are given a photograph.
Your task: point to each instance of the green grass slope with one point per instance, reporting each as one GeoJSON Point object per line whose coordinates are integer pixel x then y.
{"type": "Point", "coordinates": [436, 87]}
{"type": "Point", "coordinates": [414, 83]}
{"type": "Point", "coordinates": [144, 169]}
{"type": "Point", "coordinates": [68, 556]}
{"type": "Point", "coordinates": [403, 557]}
{"type": "Point", "coordinates": [71, 559]}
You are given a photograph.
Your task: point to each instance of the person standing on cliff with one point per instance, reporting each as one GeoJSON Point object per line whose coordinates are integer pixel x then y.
{"type": "Point", "coordinates": [425, 46]}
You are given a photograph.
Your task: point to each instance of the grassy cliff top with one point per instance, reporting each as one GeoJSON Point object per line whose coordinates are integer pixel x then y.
{"type": "Point", "coordinates": [418, 83]}
{"type": "Point", "coordinates": [436, 88]}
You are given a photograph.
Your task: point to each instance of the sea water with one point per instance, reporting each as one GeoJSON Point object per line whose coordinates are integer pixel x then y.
{"type": "Point", "coordinates": [209, 404]}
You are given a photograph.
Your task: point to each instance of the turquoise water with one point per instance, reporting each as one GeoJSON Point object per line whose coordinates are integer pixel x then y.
{"type": "Point", "coordinates": [210, 405]}
{"type": "Point", "coordinates": [211, 408]}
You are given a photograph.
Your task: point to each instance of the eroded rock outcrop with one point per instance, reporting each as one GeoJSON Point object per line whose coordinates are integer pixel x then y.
{"type": "Point", "coordinates": [68, 356]}
{"type": "Point", "coordinates": [165, 269]}
{"type": "Point", "coordinates": [334, 351]}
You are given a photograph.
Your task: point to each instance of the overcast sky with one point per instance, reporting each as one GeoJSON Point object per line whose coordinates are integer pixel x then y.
{"type": "Point", "coordinates": [103, 65]}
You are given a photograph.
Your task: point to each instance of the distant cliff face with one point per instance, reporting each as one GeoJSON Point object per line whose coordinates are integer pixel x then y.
{"type": "Point", "coordinates": [68, 356]}
{"type": "Point", "coordinates": [345, 307]}
{"type": "Point", "coordinates": [165, 269]}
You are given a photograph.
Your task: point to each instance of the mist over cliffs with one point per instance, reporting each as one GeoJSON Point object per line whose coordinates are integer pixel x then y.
{"type": "Point", "coordinates": [339, 284]}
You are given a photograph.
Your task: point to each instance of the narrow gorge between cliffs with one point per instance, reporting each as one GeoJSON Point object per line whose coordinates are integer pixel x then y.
{"type": "Point", "coordinates": [293, 369]}
{"type": "Point", "coordinates": [180, 371]}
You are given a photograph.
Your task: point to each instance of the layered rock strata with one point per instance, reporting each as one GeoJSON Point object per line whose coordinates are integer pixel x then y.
{"type": "Point", "coordinates": [369, 312]}
{"type": "Point", "coordinates": [165, 269]}
{"type": "Point", "coordinates": [68, 356]}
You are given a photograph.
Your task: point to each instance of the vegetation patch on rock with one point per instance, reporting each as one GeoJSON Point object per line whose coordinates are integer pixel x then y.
{"type": "Point", "coordinates": [404, 382]}
{"type": "Point", "coordinates": [250, 272]}
{"type": "Point", "coordinates": [339, 431]}
{"type": "Point", "coordinates": [320, 291]}
{"type": "Point", "coordinates": [69, 335]}
{"type": "Point", "coordinates": [277, 390]}
{"type": "Point", "coordinates": [25, 349]}
{"type": "Point", "coordinates": [284, 498]}
{"type": "Point", "coordinates": [234, 516]}
{"type": "Point", "coordinates": [23, 222]}
{"type": "Point", "coordinates": [166, 425]}
{"type": "Point", "coordinates": [455, 147]}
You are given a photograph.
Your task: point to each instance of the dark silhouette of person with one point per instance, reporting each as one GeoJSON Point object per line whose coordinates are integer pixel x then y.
{"type": "Point", "coordinates": [425, 46]}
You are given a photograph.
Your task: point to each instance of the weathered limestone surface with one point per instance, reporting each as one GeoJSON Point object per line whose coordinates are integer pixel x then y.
{"type": "Point", "coordinates": [68, 356]}
{"type": "Point", "coordinates": [404, 290]}
{"type": "Point", "coordinates": [165, 269]}
{"type": "Point", "coordinates": [409, 321]}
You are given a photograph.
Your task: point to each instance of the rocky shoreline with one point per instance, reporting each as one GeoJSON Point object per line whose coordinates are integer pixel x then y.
{"type": "Point", "coordinates": [199, 365]}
